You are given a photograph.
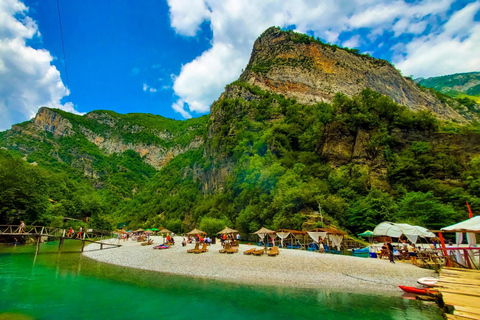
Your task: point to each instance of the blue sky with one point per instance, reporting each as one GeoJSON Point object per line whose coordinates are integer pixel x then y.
{"type": "Point", "coordinates": [175, 57]}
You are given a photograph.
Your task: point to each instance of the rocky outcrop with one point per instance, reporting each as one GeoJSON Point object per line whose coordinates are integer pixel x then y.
{"type": "Point", "coordinates": [156, 156]}
{"type": "Point", "coordinates": [51, 121]}
{"type": "Point", "coordinates": [309, 71]}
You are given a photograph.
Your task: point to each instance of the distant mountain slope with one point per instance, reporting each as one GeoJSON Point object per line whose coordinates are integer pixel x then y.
{"type": "Point", "coordinates": [118, 153]}
{"type": "Point", "coordinates": [455, 85]}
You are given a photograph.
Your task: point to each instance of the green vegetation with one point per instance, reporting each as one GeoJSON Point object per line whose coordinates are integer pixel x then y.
{"type": "Point", "coordinates": [283, 159]}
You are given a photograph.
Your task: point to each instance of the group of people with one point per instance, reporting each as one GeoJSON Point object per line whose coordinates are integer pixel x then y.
{"type": "Point", "coordinates": [229, 237]}
{"type": "Point", "coordinates": [71, 233]}
{"type": "Point", "coordinates": [403, 248]}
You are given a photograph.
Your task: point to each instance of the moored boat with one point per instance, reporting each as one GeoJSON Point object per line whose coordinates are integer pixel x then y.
{"type": "Point", "coordinates": [424, 291]}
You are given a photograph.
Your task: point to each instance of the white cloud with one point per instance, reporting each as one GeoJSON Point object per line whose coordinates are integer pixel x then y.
{"type": "Point", "coordinates": [454, 49]}
{"type": "Point", "coordinates": [146, 88]}
{"type": "Point", "coordinates": [179, 107]}
{"type": "Point", "coordinates": [28, 80]}
{"type": "Point", "coordinates": [352, 42]}
{"type": "Point", "coordinates": [236, 24]}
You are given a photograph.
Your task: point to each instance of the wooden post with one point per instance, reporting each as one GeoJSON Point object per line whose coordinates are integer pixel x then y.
{"type": "Point", "coordinates": [101, 246]}
{"type": "Point", "coordinates": [38, 245]}
{"type": "Point", "coordinates": [83, 245]}
{"type": "Point", "coordinates": [60, 245]}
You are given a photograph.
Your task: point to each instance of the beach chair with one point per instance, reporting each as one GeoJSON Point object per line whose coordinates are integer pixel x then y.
{"type": "Point", "coordinates": [197, 247]}
{"type": "Point", "coordinates": [313, 247]}
{"type": "Point", "coordinates": [274, 252]}
{"type": "Point", "coordinates": [232, 250]}
{"type": "Point", "coordinates": [227, 247]}
{"type": "Point", "coordinates": [203, 249]}
{"type": "Point", "coordinates": [249, 251]}
{"type": "Point", "coordinates": [146, 243]}
{"type": "Point", "coordinates": [258, 252]}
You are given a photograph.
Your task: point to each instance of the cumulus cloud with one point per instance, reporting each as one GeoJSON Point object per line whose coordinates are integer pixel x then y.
{"type": "Point", "coordinates": [28, 80]}
{"type": "Point", "coordinates": [454, 49]}
{"type": "Point", "coordinates": [236, 24]}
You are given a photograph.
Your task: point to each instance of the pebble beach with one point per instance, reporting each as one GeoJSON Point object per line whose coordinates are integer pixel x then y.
{"type": "Point", "coordinates": [291, 268]}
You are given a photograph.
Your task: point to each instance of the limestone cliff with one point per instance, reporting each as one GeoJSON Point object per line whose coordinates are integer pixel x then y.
{"type": "Point", "coordinates": [310, 71]}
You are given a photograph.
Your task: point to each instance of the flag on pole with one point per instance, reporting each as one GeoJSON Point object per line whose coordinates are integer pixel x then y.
{"type": "Point", "coordinates": [469, 211]}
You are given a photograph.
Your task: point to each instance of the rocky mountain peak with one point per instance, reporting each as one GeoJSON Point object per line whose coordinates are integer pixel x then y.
{"type": "Point", "coordinates": [301, 67]}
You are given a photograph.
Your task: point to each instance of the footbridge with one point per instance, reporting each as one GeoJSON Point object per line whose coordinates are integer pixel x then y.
{"type": "Point", "coordinates": [102, 237]}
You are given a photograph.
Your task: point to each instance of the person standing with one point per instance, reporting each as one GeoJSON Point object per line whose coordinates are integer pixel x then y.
{"type": "Point", "coordinates": [412, 253]}
{"type": "Point", "coordinates": [390, 251]}
{"type": "Point", "coordinates": [22, 226]}
{"type": "Point", "coordinates": [80, 232]}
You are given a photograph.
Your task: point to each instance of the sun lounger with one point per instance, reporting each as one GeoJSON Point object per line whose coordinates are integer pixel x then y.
{"type": "Point", "coordinates": [202, 250]}
{"type": "Point", "coordinates": [197, 246]}
{"type": "Point", "coordinates": [313, 247]}
{"type": "Point", "coordinates": [232, 250]}
{"type": "Point", "coordinates": [274, 252]}
{"type": "Point", "coordinates": [258, 252]}
{"type": "Point", "coordinates": [249, 251]}
{"type": "Point", "coordinates": [227, 247]}
{"type": "Point", "coordinates": [146, 243]}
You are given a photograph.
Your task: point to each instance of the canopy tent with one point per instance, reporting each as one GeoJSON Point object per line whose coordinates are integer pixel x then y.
{"type": "Point", "coordinates": [396, 230]}
{"type": "Point", "coordinates": [227, 230]}
{"type": "Point", "coordinates": [195, 232]}
{"type": "Point", "coordinates": [470, 227]}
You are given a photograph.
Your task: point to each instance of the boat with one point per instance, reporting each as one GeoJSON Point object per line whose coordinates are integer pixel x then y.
{"type": "Point", "coordinates": [424, 291]}
{"type": "Point", "coordinates": [363, 251]}
{"type": "Point", "coordinates": [429, 282]}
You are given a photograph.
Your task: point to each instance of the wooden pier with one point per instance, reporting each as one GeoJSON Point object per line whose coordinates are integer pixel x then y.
{"type": "Point", "coordinates": [460, 290]}
{"type": "Point", "coordinates": [38, 232]}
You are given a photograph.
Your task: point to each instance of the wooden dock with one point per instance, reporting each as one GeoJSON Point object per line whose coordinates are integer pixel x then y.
{"type": "Point", "coordinates": [460, 289]}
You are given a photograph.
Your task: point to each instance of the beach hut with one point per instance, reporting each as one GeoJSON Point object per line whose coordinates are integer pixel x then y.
{"type": "Point", "coordinates": [292, 239]}
{"type": "Point", "coordinates": [262, 233]}
{"type": "Point", "coordinates": [471, 227]}
{"type": "Point", "coordinates": [333, 238]}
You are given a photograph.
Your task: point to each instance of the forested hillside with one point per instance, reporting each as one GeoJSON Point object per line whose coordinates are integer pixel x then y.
{"type": "Point", "coordinates": [273, 149]}
{"type": "Point", "coordinates": [460, 85]}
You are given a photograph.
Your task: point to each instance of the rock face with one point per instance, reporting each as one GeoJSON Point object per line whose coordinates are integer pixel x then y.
{"type": "Point", "coordinates": [109, 141]}
{"type": "Point", "coordinates": [48, 120]}
{"type": "Point", "coordinates": [299, 67]}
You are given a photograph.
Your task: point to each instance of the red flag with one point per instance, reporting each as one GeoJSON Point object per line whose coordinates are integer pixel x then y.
{"type": "Point", "coordinates": [444, 249]}
{"type": "Point", "coordinates": [470, 215]}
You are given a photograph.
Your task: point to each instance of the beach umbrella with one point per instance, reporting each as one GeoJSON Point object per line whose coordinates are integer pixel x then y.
{"type": "Point", "coordinates": [195, 232]}
{"type": "Point", "coordinates": [165, 231]}
{"type": "Point", "coordinates": [155, 229]}
{"type": "Point", "coordinates": [227, 230]}
{"type": "Point", "coordinates": [262, 233]}
{"type": "Point", "coordinates": [367, 233]}
{"type": "Point", "coordinates": [139, 230]}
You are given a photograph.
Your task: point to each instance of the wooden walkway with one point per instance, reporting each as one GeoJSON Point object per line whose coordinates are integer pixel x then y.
{"type": "Point", "coordinates": [460, 289]}
{"type": "Point", "coordinates": [101, 237]}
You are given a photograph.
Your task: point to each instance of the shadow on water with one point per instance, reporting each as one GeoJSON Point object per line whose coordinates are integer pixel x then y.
{"type": "Point", "coordinates": [69, 285]}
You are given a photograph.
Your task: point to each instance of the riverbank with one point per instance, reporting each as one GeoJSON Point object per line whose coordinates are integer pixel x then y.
{"type": "Point", "coordinates": [292, 268]}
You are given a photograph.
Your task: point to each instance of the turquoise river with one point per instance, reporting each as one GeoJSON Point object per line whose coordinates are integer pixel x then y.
{"type": "Point", "coordinates": [70, 286]}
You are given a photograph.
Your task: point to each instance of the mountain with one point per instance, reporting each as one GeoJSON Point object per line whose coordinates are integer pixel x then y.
{"type": "Point", "coordinates": [456, 85]}
{"type": "Point", "coordinates": [306, 125]}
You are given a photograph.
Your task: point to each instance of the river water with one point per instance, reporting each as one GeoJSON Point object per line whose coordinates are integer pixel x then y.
{"type": "Point", "coordinates": [70, 286]}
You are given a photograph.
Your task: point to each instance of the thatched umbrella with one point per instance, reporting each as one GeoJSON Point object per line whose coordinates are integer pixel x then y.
{"type": "Point", "coordinates": [195, 232]}
{"type": "Point", "coordinates": [262, 233]}
{"type": "Point", "coordinates": [139, 230]}
{"type": "Point", "coordinates": [163, 232]}
{"type": "Point", "coordinates": [227, 230]}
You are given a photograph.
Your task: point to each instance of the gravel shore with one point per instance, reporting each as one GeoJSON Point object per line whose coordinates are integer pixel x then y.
{"type": "Point", "coordinates": [293, 268]}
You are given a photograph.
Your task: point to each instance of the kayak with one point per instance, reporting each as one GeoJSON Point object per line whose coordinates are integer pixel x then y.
{"type": "Point", "coordinates": [430, 282]}
{"type": "Point", "coordinates": [416, 290]}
